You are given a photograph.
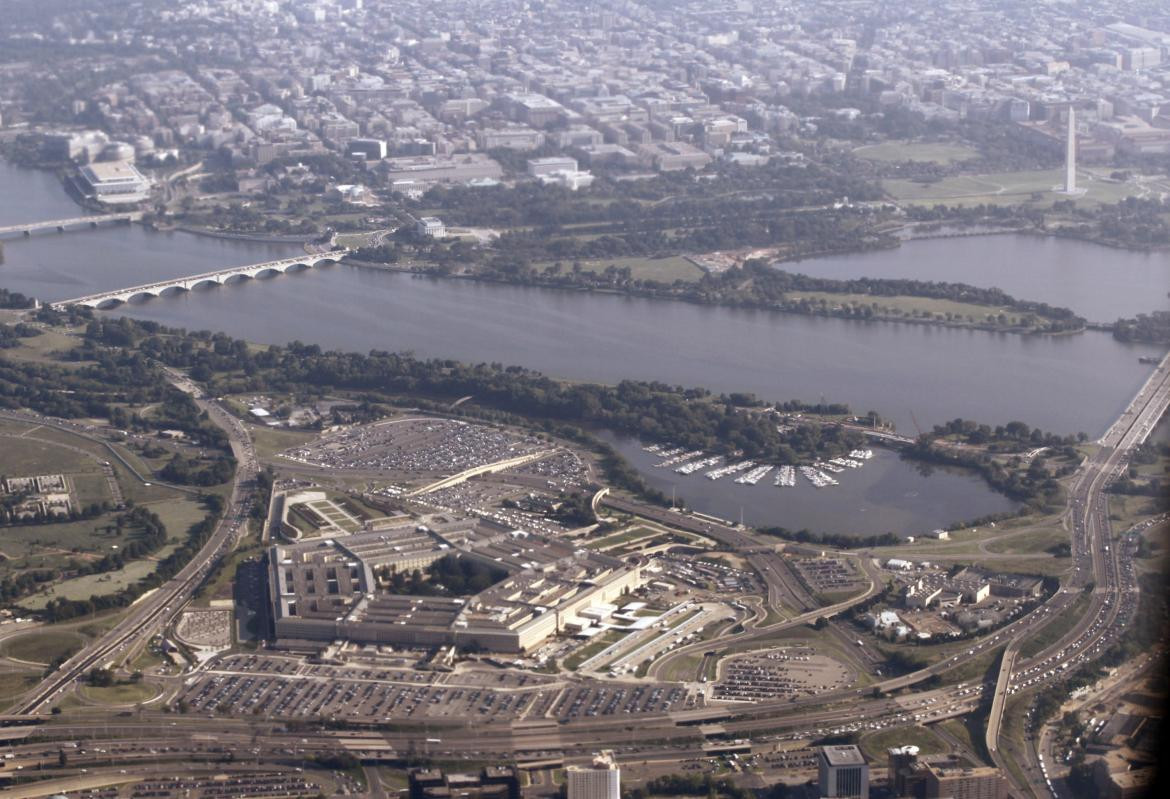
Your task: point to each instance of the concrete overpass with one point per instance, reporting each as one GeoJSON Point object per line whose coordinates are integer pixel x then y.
{"type": "Point", "coordinates": [475, 471]}
{"type": "Point", "coordinates": [189, 282]}
{"type": "Point", "coordinates": [999, 699]}
{"type": "Point", "coordinates": [62, 225]}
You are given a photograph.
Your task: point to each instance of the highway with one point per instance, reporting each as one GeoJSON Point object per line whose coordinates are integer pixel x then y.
{"type": "Point", "coordinates": [1107, 567]}
{"type": "Point", "coordinates": [1097, 565]}
{"type": "Point", "coordinates": [155, 611]}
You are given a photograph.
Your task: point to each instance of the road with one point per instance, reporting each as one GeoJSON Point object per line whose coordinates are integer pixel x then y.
{"type": "Point", "coordinates": [1099, 562]}
{"type": "Point", "coordinates": [155, 611]}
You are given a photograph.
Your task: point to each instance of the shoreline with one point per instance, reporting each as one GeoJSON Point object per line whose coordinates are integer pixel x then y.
{"type": "Point", "coordinates": [652, 295]}
{"type": "Point", "coordinates": [275, 238]}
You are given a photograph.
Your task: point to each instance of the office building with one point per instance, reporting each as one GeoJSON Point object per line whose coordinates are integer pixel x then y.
{"type": "Point", "coordinates": [602, 780]}
{"type": "Point", "coordinates": [948, 782]}
{"type": "Point", "coordinates": [842, 772]}
{"type": "Point", "coordinates": [902, 773]}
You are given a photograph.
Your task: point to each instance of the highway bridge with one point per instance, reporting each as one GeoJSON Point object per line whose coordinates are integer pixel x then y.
{"type": "Point", "coordinates": [62, 225]}
{"type": "Point", "coordinates": [220, 277]}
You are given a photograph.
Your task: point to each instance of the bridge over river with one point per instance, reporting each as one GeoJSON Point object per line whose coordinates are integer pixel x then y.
{"type": "Point", "coordinates": [189, 282]}
{"type": "Point", "coordinates": [62, 225]}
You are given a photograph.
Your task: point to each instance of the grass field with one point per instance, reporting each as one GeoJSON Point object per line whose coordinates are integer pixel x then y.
{"type": "Point", "coordinates": [907, 306]}
{"type": "Point", "coordinates": [91, 584]}
{"type": "Point", "coordinates": [875, 744]}
{"type": "Point", "coordinates": [42, 646]}
{"type": "Point", "coordinates": [665, 270]}
{"type": "Point", "coordinates": [269, 441]}
{"type": "Point", "coordinates": [1013, 188]}
{"type": "Point", "coordinates": [45, 348]}
{"type": "Point", "coordinates": [962, 731]}
{"type": "Point", "coordinates": [624, 537]}
{"type": "Point", "coordinates": [28, 456]}
{"type": "Point", "coordinates": [31, 546]}
{"type": "Point", "coordinates": [15, 683]}
{"type": "Point", "coordinates": [590, 649]}
{"type": "Point", "coordinates": [932, 152]}
{"type": "Point", "coordinates": [122, 694]}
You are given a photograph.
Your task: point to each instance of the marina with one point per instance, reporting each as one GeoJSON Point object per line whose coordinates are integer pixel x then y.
{"type": "Point", "coordinates": [819, 474]}
{"type": "Point", "coordinates": [884, 494]}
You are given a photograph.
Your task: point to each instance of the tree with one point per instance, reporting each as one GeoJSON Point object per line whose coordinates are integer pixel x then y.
{"type": "Point", "coordinates": [100, 677]}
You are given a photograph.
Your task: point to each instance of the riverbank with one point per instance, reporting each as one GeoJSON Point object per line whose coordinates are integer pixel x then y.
{"type": "Point", "coordinates": [860, 309]}
{"type": "Point", "coordinates": [259, 238]}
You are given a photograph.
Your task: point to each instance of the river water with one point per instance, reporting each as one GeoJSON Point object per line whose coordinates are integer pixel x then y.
{"type": "Point", "coordinates": [1099, 283]}
{"type": "Point", "coordinates": [908, 373]}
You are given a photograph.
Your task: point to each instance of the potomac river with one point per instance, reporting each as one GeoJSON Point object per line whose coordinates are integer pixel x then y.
{"type": "Point", "coordinates": [1064, 384]}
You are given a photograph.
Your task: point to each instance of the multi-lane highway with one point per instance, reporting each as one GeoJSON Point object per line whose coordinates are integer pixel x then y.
{"type": "Point", "coordinates": [155, 611]}
{"type": "Point", "coordinates": [1098, 561]}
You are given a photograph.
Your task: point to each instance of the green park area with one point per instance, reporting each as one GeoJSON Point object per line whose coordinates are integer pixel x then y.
{"type": "Point", "coordinates": [56, 546]}
{"type": "Point", "coordinates": [15, 682]}
{"type": "Point", "coordinates": [42, 647]}
{"type": "Point", "coordinates": [593, 647]}
{"type": "Point", "coordinates": [664, 270]}
{"type": "Point", "coordinates": [876, 744]}
{"type": "Point", "coordinates": [126, 693]}
{"type": "Point", "coordinates": [904, 306]}
{"type": "Point", "coordinates": [931, 152]}
{"type": "Point", "coordinates": [1015, 188]}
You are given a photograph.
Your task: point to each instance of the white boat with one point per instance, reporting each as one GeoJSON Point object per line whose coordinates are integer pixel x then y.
{"type": "Point", "coordinates": [694, 466]}
{"type": "Point", "coordinates": [754, 476]}
{"type": "Point", "coordinates": [723, 471]}
{"type": "Point", "coordinates": [679, 457]}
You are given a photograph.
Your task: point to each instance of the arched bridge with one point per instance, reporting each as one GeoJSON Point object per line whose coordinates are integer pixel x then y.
{"type": "Point", "coordinates": [191, 281]}
{"type": "Point", "coordinates": [76, 222]}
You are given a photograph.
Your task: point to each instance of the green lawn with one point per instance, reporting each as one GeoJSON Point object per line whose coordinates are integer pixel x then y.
{"type": "Point", "coordinates": [179, 515]}
{"type": "Point", "coordinates": [595, 645]}
{"type": "Point", "coordinates": [15, 683]}
{"type": "Point", "coordinates": [44, 348]}
{"type": "Point", "coordinates": [34, 545]}
{"type": "Point", "coordinates": [269, 441]}
{"type": "Point", "coordinates": [624, 537]}
{"type": "Point", "coordinates": [664, 270]}
{"type": "Point", "coordinates": [20, 457]}
{"type": "Point", "coordinates": [122, 694]}
{"type": "Point", "coordinates": [906, 306]}
{"type": "Point", "coordinates": [90, 488]}
{"type": "Point", "coordinates": [1011, 188]}
{"type": "Point", "coordinates": [42, 646]}
{"type": "Point", "coordinates": [932, 152]}
{"type": "Point", "coordinates": [875, 744]}
{"type": "Point", "coordinates": [92, 584]}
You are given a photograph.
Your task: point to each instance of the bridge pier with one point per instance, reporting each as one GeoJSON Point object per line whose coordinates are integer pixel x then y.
{"type": "Point", "coordinates": [220, 277]}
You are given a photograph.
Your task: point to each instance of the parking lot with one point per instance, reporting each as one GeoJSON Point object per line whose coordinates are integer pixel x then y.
{"type": "Point", "coordinates": [414, 446]}
{"type": "Point", "coordinates": [605, 700]}
{"type": "Point", "coordinates": [780, 673]}
{"type": "Point", "coordinates": [287, 688]}
{"type": "Point", "coordinates": [828, 575]}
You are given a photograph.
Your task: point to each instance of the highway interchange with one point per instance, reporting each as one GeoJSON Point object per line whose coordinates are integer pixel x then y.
{"type": "Point", "coordinates": [1099, 562]}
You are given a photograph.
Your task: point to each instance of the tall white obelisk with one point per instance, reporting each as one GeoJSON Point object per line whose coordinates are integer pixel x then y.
{"type": "Point", "coordinates": [1070, 157]}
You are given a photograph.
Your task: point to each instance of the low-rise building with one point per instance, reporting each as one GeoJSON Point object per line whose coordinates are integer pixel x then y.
{"type": "Point", "coordinates": [115, 182]}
